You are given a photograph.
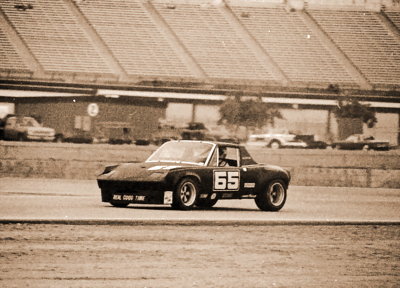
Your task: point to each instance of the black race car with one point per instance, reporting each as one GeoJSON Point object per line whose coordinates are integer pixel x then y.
{"type": "Point", "coordinates": [187, 173]}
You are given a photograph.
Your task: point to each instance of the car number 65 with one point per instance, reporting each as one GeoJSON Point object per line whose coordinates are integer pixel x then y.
{"type": "Point", "coordinates": [226, 180]}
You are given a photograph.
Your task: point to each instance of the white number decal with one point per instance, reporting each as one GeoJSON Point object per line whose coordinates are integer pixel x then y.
{"type": "Point", "coordinates": [226, 180]}
{"type": "Point", "coordinates": [220, 180]}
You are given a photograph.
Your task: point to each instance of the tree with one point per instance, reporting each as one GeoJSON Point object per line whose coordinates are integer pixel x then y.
{"type": "Point", "coordinates": [252, 113]}
{"type": "Point", "coordinates": [352, 108]}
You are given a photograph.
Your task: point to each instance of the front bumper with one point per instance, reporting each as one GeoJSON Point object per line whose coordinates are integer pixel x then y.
{"type": "Point", "coordinates": [134, 192]}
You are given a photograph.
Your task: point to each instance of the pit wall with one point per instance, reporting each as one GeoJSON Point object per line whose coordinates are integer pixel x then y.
{"type": "Point", "coordinates": [308, 167]}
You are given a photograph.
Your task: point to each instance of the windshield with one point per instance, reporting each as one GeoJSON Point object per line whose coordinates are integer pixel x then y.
{"type": "Point", "coordinates": [28, 122]}
{"type": "Point", "coordinates": [183, 152]}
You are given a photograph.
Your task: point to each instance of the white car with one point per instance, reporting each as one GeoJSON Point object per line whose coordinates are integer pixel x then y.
{"type": "Point", "coordinates": [275, 141]}
{"type": "Point", "coordinates": [25, 128]}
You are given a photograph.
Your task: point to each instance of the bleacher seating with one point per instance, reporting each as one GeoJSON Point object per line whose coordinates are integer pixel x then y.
{"type": "Point", "coordinates": [10, 59]}
{"type": "Point", "coordinates": [135, 40]}
{"type": "Point", "coordinates": [366, 41]}
{"type": "Point", "coordinates": [394, 16]}
{"type": "Point", "coordinates": [54, 36]}
{"type": "Point", "coordinates": [212, 41]}
{"type": "Point", "coordinates": [133, 35]}
{"type": "Point", "coordinates": [293, 45]}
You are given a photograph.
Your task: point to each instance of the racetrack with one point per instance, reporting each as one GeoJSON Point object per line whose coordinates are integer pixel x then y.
{"type": "Point", "coordinates": [77, 200]}
{"type": "Point", "coordinates": [57, 233]}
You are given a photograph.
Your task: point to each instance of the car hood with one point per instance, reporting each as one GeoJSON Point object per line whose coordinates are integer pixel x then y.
{"type": "Point", "coordinates": [147, 171]}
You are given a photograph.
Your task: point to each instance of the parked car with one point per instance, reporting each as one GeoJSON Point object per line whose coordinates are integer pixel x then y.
{"type": "Point", "coordinates": [276, 139]}
{"type": "Point", "coordinates": [222, 134]}
{"type": "Point", "coordinates": [24, 128]}
{"type": "Point", "coordinates": [361, 142]}
{"type": "Point", "coordinates": [166, 132]}
{"type": "Point", "coordinates": [311, 142]}
{"type": "Point", "coordinates": [194, 131]}
{"type": "Point", "coordinates": [186, 173]}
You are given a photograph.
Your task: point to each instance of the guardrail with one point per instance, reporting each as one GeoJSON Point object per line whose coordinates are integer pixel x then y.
{"type": "Point", "coordinates": [308, 167]}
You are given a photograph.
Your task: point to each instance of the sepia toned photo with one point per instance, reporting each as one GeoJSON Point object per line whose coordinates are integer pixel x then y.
{"type": "Point", "coordinates": [199, 143]}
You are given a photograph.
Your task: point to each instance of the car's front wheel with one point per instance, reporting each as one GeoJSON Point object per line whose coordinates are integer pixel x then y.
{"type": "Point", "coordinates": [273, 197]}
{"type": "Point", "coordinates": [185, 194]}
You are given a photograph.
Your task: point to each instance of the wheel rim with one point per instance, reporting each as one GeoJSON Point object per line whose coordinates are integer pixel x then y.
{"type": "Point", "coordinates": [275, 145]}
{"type": "Point", "coordinates": [188, 193]}
{"type": "Point", "coordinates": [277, 194]}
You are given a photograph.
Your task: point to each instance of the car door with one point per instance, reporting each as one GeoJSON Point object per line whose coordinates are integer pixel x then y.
{"type": "Point", "coordinates": [224, 179]}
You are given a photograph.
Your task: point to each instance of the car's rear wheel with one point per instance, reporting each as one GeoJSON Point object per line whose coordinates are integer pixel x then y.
{"type": "Point", "coordinates": [185, 194]}
{"type": "Point", "coordinates": [206, 203]}
{"type": "Point", "coordinates": [273, 197]}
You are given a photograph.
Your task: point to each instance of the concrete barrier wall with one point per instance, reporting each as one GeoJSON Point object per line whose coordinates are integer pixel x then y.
{"type": "Point", "coordinates": [308, 167]}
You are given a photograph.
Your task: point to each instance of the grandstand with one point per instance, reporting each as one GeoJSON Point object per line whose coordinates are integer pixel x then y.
{"type": "Point", "coordinates": [394, 17]}
{"type": "Point", "coordinates": [8, 53]}
{"type": "Point", "coordinates": [213, 42]}
{"type": "Point", "coordinates": [54, 37]}
{"type": "Point", "coordinates": [134, 38]}
{"type": "Point", "coordinates": [366, 40]}
{"type": "Point", "coordinates": [288, 52]}
{"type": "Point", "coordinates": [201, 41]}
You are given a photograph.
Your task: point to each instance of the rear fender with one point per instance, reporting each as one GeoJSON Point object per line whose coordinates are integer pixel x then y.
{"type": "Point", "coordinates": [275, 176]}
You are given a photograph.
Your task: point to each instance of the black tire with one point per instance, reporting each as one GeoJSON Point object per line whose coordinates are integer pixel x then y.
{"type": "Point", "coordinates": [275, 144]}
{"type": "Point", "coordinates": [186, 194]}
{"type": "Point", "coordinates": [273, 197]}
{"type": "Point", "coordinates": [21, 137]}
{"type": "Point", "coordinates": [119, 204]}
{"type": "Point", "coordinates": [206, 203]}
{"type": "Point", "coordinates": [59, 138]}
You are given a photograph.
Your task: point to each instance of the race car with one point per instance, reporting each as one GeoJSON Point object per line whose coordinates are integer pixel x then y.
{"type": "Point", "coordinates": [188, 173]}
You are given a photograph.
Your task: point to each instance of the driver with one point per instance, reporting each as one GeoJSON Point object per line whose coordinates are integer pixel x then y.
{"type": "Point", "coordinates": [222, 161]}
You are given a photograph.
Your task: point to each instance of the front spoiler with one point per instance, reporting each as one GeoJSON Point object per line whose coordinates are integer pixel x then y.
{"type": "Point", "coordinates": [134, 192]}
{"type": "Point", "coordinates": [164, 197]}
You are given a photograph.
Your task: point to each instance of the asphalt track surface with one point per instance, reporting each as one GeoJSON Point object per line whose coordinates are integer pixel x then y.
{"type": "Point", "coordinates": [60, 200]}
{"type": "Point", "coordinates": [57, 233]}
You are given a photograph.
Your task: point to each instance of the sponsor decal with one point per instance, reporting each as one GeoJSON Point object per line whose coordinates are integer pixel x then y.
{"type": "Point", "coordinates": [129, 197]}
{"type": "Point", "coordinates": [249, 185]}
{"type": "Point", "coordinates": [249, 196]}
{"type": "Point", "coordinates": [167, 197]}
